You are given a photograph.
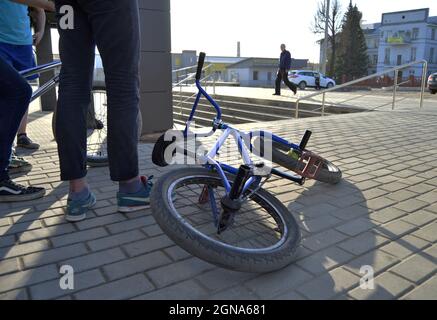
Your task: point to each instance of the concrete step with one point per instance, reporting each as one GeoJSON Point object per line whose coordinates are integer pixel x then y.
{"type": "Point", "coordinates": [243, 113]}
{"type": "Point", "coordinates": [278, 106]}
{"type": "Point", "coordinates": [248, 111]}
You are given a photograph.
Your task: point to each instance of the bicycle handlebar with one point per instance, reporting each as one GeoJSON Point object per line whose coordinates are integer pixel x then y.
{"type": "Point", "coordinates": [200, 64]}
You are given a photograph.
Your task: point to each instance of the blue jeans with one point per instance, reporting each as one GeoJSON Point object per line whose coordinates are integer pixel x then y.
{"type": "Point", "coordinates": [15, 94]}
{"type": "Point", "coordinates": [112, 25]}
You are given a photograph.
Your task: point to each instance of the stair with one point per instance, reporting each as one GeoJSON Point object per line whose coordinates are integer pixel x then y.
{"type": "Point", "coordinates": [238, 110]}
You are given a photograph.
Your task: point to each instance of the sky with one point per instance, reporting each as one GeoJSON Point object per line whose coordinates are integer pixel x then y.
{"type": "Point", "coordinates": [215, 26]}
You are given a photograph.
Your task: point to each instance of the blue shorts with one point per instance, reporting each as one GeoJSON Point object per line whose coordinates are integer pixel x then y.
{"type": "Point", "coordinates": [20, 57]}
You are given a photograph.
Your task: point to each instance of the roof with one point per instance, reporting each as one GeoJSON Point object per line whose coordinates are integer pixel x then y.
{"type": "Point", "coordinates": [432, 20]}
{"type": "Point", "coordinates": [267, 63]}
{"type": "Point", "coordinates": [371, 28]}
{"type": "Point", "coordinates": [220, 59]}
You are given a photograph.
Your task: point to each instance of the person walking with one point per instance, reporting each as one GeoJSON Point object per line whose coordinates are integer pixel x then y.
{"type": "Point", "coordinates": [284, 67]}
{"type": "Point", "coordinates": [15, 95]}
{"type": "Point", "coordinates": [317, 80]}
{"type": "Point", "coordinates": [112, 26]}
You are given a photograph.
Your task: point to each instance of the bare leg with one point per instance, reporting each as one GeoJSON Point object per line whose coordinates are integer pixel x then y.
{"type": "Point", "coordinates": [23, 124]}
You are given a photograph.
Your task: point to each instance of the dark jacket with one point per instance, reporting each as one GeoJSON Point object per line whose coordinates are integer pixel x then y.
{"type": "Point", "coordinates": [285, 60]}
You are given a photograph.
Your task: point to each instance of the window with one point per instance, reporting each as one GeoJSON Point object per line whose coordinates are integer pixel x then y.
{"type": "Point", "coordinates": [431, 55]}
{"type": "Point", "coordinates": [375, 59]}
{"type": "Point", "coordinates": [415, 33]}
{"type": "Point", "coordinates": [255, 75]}
{"type": "Point", "coordinates": [307, 74]}
{"type": "Point", "coordinates": [269, 76]}
{"type": "Point", "coordinates": [413, 54]}
{"type": "Point", "coordinates": [433, 34]}
{"type": "Point", "coordinates": [387, 56]}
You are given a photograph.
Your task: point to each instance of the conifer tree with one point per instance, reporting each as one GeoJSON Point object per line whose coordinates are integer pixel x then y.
{"type": "Point", "coordinates": [352, 59]}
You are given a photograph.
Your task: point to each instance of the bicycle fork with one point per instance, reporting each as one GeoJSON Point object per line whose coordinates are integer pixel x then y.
{"type": "Point", "coordinates": [231, 203]}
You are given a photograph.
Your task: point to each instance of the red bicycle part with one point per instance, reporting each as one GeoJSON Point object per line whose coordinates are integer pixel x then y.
{"type": "Point", "coordinates": [204, 195]}
{"type": "Point", "coordinates": [311, 163]}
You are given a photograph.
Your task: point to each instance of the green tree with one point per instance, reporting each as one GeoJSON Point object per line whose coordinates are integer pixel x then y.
{"type": "Point", "coordinates": [352, 59]}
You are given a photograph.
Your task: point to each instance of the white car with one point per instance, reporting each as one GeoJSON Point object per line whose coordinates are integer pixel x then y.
{"type": "Point", "coordinates": [306, 78]}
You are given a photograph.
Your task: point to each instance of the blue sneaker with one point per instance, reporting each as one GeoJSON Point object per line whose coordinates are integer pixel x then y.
{"type": "Point", "coordinates": [76, 210]}
{"type": "Point", "coordinates": [131, 202]}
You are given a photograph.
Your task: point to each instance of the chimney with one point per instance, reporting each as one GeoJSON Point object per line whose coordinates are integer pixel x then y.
{"type": "Point", "coordinates": [238, 49]}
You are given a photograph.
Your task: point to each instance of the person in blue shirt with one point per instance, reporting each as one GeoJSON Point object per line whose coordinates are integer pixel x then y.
{"type": "Point", "coordinates": [15, 93]}
{"type": "Point", "coordinates": [16, 41]}
{"type": "Point", "coordinates": [284, 67]}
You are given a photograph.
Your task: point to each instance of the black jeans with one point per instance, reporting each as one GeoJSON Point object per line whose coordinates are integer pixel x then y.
{"type": "Point", "coordinates": [15, 94]}
{"type": "Point", "coordinates": [283, 76]}
{"type": "Point", "coordinates": [112, 25]}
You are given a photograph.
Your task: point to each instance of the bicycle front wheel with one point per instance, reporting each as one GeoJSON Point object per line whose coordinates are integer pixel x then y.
{"type": "Point", "coordinates": [263, 237]}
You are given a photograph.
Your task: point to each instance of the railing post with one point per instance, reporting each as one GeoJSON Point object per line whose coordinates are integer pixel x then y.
{"type": "Point", "coordinates": [180, 96]}
{"type": "Point", "coordinates": [395, 87]}
{"type": "Point", "coordinates": [323, 104]}
{"type": "Point", "coordinates": [213, 84]}
{"type": "Point", "coordinates": [423, 85]}
{"type": "Point", "coordinates": [297, 109]}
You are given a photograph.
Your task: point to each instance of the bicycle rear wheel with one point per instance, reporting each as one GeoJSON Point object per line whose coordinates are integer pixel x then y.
{"type": "Point", "coordinates": [328, 173]}
{"type": "Point", "coordinates": [262, 238]}
{"type": "Point", "coordinates": [97, 124]}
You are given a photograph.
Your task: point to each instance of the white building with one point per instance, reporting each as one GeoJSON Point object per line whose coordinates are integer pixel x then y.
{"type": "Point", "coordinates": [400, 38]}
{"type": "Point", "coordinates": [407, 36]}
{"type": "Point", "coordinates": [259, 72]}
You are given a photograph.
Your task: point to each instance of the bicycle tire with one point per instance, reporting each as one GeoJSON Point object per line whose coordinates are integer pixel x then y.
{"type": "Point", "coordinates": [216, 252]}
{"type": "Point", "coordinates": [92, 160]}
{"type": "Point", "coordinates": [329, 173]}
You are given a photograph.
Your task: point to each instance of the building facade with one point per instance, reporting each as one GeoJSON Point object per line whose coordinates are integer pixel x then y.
{"type": "Point", "coordinates": [405, 37]}
{"type": "Point", "coordinates": [259, 72]}
{"type": "Point", "coordinates": [400, 38]}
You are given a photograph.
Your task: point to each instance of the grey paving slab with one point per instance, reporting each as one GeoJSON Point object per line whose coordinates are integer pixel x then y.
{"type": "Point", "coordinates": [383, 214]}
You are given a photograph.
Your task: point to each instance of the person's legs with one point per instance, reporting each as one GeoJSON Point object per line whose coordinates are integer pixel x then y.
{"type": "Point", "coordinates": [288, 83]}
{"type": "Point", "coordinates": [16, 164]}
{"type": "Point", "coordinates": [115, 26]}
{"type": "Point", "coordinates": [278, 83]}
{"type": "Point", "coordinates": [77, 51]}
{"type": "Point", "coordinates": [21, 58]}
{"type": "Point", "coordinates": [76, 48]}
{"type": "Point", "coordinates": [15, 95]}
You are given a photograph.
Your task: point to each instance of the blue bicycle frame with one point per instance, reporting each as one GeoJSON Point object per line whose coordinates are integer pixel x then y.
{"type": "Point", "coordinates": [41, 69]}
{"type": "Point", "coordinates": [222, 168]}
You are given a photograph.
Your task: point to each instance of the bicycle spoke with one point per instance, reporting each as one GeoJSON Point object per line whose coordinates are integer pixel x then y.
{"type": "Point", "coordinates": [253, 226]}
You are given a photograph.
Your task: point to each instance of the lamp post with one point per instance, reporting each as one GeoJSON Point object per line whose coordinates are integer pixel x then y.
{"type": "Point", "coordinates": [325, 42]}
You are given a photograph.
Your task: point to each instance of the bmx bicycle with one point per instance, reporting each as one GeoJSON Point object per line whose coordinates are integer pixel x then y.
{"type": "Point", "coordinates": [222, 214]}
{"type": "Point", "coordinates": [97, 151]}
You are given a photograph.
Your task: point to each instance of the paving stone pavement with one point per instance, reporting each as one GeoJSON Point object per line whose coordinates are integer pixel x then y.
{"type": "Point", "coordinates": [383, 214]}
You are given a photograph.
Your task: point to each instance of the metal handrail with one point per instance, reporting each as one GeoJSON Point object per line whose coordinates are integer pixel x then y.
{"type": "Point", "coordinates": [189, 77]}
{"type": "Point", "coordinates": [379, 74]}
{"type": "Point", "coordinates": [183, 69]}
